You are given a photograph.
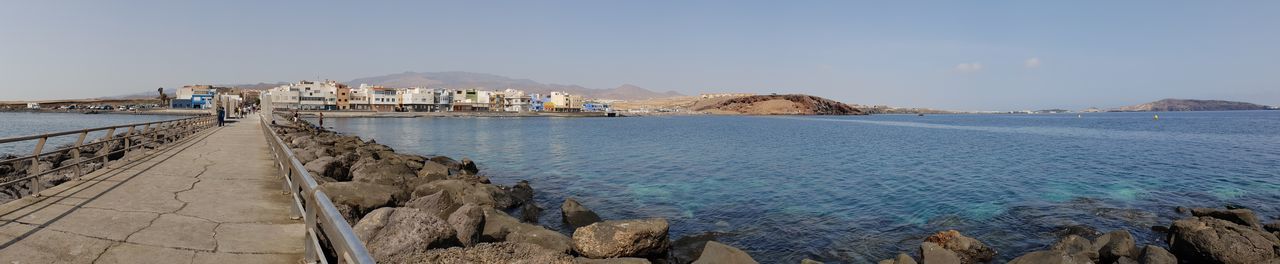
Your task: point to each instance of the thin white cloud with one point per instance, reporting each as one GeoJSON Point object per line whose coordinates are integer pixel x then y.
{"type": "Point", "coordinates": [969, 67]}
{"type": "Point", "coordinates": [1032, 63]}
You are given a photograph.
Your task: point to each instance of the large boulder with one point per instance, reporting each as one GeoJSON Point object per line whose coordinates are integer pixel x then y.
{"type": "Point", "coordinates": [362, 197]}
{"type": "Point", "coordinates": [717, 253]}
{"type": "Point", "coordinates": [330, 167]}
{"type": "Point", "coordinates": [576, 215]}
{"type": "Point", "coordinates": [1115, 245]}
{"type": "Point", "coordinates": [1050, 257]}
{"type": "Point", "coordinates": [464, 192]}
{"type": "Point", "coordinates": [468, 222]}
{"type": "Point", "coordinates": [622, 238]}
{"type": "Point", "coordinates": [304, 155]}
{"type": "Point", "coordinates": [1214, 240]}
{"type": "Point", "coordinates": [902, 258]}
{"type": "Point", "coordinates": [389, 232]}
{"type": "Point", "coordinates": [688, 248]}
{"type": "Point", "coordinates": [932, 253]}
{"type": "Point", "coordinates": [434, 170]}
{"type": "Point", "coordinates": [501, 252]}
{"type": "Point", "coordinates": [522, 192]}
{"type": "Point", "coordinates": [1076, 246]}
{"type": "Point", "coordinates": [582, 260]}
{"type": "Point", "coordinates": [968, 249]}
{"type": "Point", "coordinates": [1243, 217]}
{"type": "Point", "coordinates": [499, 226]}
{"type": "Point", "coordinates": [468, 167]}
{"type": "Point", "coordinates": [1156, 255]}
{"type": "Point", "coordinates": [385, 171]}
{"type": "Point", "coordinates": [529, 213]}
{"type": "Point", "coordinates": [441, 204]}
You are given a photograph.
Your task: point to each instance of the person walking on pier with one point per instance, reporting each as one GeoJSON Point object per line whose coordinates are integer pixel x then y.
{"type": "Point", "coordinates": [222, 116]}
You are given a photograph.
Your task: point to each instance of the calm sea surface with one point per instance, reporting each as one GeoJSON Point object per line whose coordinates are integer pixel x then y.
{"type": "Point", "coordinates": [23, 124]}
{"type": "Point", "coordinates": [859, 189]}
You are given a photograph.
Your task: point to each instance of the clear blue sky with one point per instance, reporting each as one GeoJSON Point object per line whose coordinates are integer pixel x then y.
{"type": "Point", "coordinates": [964, 55]}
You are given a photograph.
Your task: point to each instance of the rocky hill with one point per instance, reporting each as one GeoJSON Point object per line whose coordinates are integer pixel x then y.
{"type": "Point", "coordinates": [789, 104]}
{"type": "Point", "coordinates": [1191, 105]}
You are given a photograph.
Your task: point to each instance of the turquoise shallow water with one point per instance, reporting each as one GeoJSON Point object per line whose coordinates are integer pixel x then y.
{"type": "Point", "coordinates": [859, 189]}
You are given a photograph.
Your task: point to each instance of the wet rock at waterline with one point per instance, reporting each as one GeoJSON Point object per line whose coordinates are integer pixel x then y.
{"type": "Point", "coordinates": [576, 215]}
{"type": "Point", "coordinates": [622, 238]}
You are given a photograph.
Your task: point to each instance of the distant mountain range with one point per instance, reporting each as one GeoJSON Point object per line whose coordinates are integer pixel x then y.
{"type": "Point", "coordinates": [1191, 105]}
{"type": "Point", "coordinates": [467, 80]}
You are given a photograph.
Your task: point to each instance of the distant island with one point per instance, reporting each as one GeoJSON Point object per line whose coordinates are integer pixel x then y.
{"type": "Point", "coordinates": [1167, 105]}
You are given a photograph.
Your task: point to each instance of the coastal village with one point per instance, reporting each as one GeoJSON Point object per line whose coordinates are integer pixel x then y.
{"type": "Point", "coordinates": [334, 96]}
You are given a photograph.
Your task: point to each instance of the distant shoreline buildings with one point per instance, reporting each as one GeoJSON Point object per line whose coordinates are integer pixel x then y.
{"type": "Point", "coordinates": [334, 96]}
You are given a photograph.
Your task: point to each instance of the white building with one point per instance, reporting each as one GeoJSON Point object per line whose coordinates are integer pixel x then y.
{"type": "Point", "coordinates": [418, 99]}
{"type": "Point", "coordinates": [306, 95]}
{"type": "Point", "coordinates": [382, 99]}
{"type": "Point", "coordinates": [33, 105]}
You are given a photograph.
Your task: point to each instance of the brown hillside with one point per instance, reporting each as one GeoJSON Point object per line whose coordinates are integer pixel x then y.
{"type": "Point", "coordinates": [789, 104]}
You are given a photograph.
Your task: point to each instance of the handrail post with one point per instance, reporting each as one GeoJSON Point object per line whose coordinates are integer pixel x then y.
{"type": "Point", "coordinates": [146, 136]}
{"type": "Point", "coordinates": [127, 143]}
{"type": "Point", "coordinates": [310, 226]}
{"type": "Point", "coordinates": [106, 145]}
{"type": "Point", "coordinates": [75, 154]}
{"type": "Point", "coordinates": [35, 168]}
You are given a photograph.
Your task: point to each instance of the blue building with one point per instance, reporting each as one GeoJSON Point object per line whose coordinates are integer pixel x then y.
{"type": "Point", "coordinates": [536, 102]}
{"type": "Point", "coordinates": [595, 107]}
{"type": "Point", "coordinates": [193, 96]}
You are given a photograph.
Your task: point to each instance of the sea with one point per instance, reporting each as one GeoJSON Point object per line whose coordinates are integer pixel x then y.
{"type": "Point", "coordinates": [858, 189]}
{"type": "Point", "coordinates": [16, 124]}
{"type": "Point", "coordinates": [849, 189]}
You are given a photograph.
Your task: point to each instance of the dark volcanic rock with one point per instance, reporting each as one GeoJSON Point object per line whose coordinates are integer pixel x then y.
{"type": "Point", "coordinates": [385, 171]}
{"type": "Point", "coordinates": [688, 248]}
{"type": "Point", "coordinates": [362, 197]}
{"type": "Point", "coordinates": [522, 192]}
{"type": "Point", "coordinates": [582, 260]}
{"type": "Point", "coordinates": [1050, 257]}
{"type": "Point", "coordinates": [1115, 245]}
{"type": "Point", "coordinates": [388, 232]}
{"type": "Point", "coordinates": [1213, 240]}
{"type": "Point", "coordinates": [1076, 246]}
{"type": "Point", "coordinates": [468, 222]}
{"type": "Point", "coordinates": [932, 253]}
{"type": "Point", "coordinates": [468, 167]}
{"type": "Point", "coordinates": [330, 167]}
{"type": "Point", "coordinates": [502, 252]}
{"type": "Point", "coordinates": [902, 258]}
{"type": "Point", "coordinates": [577, 215]}
{"type": "Point", "coordinates": [622, 238]}
{"type": "Point", "coordinates": [968, 249]}
{"type": "Point", "coordinates": [1156, 255]}
{"type": "Point", "coordinates": [1243, 217]}
{"type": "Point", "coordinates": [440, 204]}
{"type": "Point", "coordinates": [499, 226]}
{"type": "Point", "coordinates": [529, 213]}
{"type": "Point", "coordinates": [715, 253]}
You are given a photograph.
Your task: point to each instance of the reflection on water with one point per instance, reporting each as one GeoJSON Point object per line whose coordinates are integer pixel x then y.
{"type": "Point", "coordinates": [860, 189]}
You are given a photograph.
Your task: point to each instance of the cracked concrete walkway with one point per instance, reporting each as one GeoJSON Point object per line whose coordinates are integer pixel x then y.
{"type": "Point", "coordinates": [215, 198]}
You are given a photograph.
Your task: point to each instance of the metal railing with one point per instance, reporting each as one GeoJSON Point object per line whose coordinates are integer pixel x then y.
{"type": "Point", "coordinates": [311, 204]}
{"type": "Point", "coordinates": [136, 136]}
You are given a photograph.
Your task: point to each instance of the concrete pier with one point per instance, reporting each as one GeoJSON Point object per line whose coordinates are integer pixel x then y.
{"type": "Point", "coordinates": [214, 198]}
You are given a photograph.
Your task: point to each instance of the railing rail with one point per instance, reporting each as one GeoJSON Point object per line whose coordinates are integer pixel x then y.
{"type": "Point", "coordinates": [134, 138]}
{"type": "Point", "coordinates": [321, 218]}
